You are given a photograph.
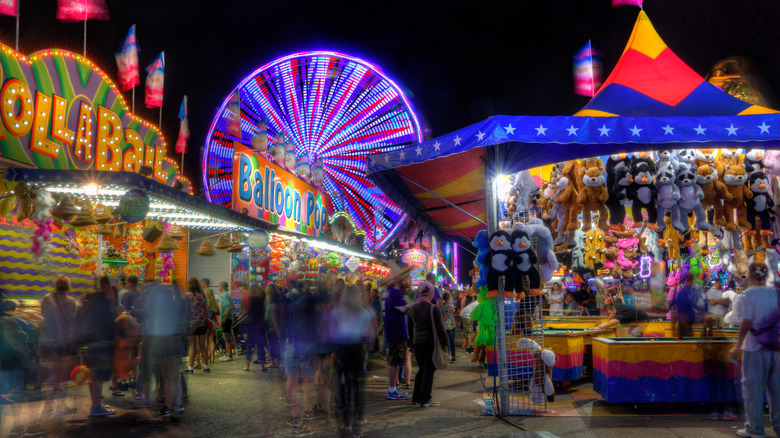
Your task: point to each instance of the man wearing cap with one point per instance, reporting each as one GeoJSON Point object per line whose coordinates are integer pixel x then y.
{"type": "Point", "coordinates": [395, 307]}
{"type": "Point", "coordinates": [758, 340]}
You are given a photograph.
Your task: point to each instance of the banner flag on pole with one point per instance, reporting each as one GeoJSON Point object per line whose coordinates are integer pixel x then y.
{"type": "Point", "coordinates": [234, 124]}
{"type": "Point", "coordinates": [184, 128]}
{"type": "Point", "coordinates": [80, 10]}
{"type": "Point", "coordinates": [587, 71]}
{"type": "Point", "coordinates": [8, 7]}
{"type": "Point", "coordinates": [616, 3]}
{"type": "Point", "coordinates": [154, 81]}
{"type": "Point", "coordinates": [127, 62]}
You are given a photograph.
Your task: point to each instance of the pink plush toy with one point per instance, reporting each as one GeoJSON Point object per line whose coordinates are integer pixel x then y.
{"type": "Point", "coordinates": [624, 263]}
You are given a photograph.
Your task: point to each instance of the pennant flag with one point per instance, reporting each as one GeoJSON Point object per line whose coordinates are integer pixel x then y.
{"type": "Point", "coordinates": [616, 3]}
{"type": "Point", "coordinates": [127, 62]}
{"type": "Point", "coordinates": [154, 82]}
{"type": "Point", "coordinates": [587, 71]}
{"type": "Point", "coordinates": [80, 10]}
{"type": "Point", "coordinates": [234, 124]}
{"type": "Point", "coordinates": [184, 128]}
{"type": "Point", "coordinates": [8, 7]}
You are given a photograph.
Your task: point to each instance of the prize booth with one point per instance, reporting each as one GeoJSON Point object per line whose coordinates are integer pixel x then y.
{"type": "Point", "coordinates": [458, 187]}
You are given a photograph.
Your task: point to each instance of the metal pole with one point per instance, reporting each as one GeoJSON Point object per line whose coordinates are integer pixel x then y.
{"type": "Point", "coordinates": [133, 99]}
{"type": "Point", "coordinates": [85, 32]}
{"type": "Point", "coordinates": [100, 256]}
{"type": "Point", "coordinates": [17, 26]}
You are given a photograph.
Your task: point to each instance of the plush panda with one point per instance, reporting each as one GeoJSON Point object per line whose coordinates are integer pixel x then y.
{"type": "Point", "coordinates": [668, 197]}
{"type": "Point", "coordinates": [761, 203]}
{"type": "Point", "coordinates": [690, 198]}
{"type": "Point", "coordinates": [500, 261]}
{"type": "Point", "coordinates": [643, 193]}
{"type": "Point", "coordinates": [617, 197]}
{"type": "Point", "coordinates": [525, 264]}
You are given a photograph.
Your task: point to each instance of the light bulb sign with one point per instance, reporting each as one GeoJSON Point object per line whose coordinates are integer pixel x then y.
{"type": "Point", "coordinates": [266, 191]}
{"type": "Point", "coordinates": [59, 111]}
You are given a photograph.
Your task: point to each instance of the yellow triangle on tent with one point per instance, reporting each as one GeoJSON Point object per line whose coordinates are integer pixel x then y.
{"type": "Point", "coordinates": [594, 113]}
{"type": "Point", "coordinates": [756, 109]}
{"type": "Point", "coordinates": [644, 39]}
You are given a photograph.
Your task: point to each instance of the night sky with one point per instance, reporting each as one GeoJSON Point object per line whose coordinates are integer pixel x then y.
{"type": "Point", "coordinates": [459, 62]}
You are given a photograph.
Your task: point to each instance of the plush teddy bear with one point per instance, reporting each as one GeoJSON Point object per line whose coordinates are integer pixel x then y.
{"type": "Point", "coordinates": [735, 182]}
{"type": "Point", "coordinates": [691, 196]}
{"type": "Point", "coordinates": [714, 190]}
{"type": "Point", "coordinates": [671, 239]}
{"type": "Point", "coordinates": [753, 159]}
{"type": "Point", "coordinates": [568, 199]}
{"type": "Point", "coordinates": [667, 159]}
{"type": "Point", "coordinates": [668, 197]}
{"type": "Point", "coordinates": [627, 262]}
{"type": "Point", "coordinates": [738, 266]}
{"type": "Point", "coordinates": [593, 194]}
{"type": "Point", "coordinates": [617, 197]}
{"type": "Point", "coordinates": [500, 262]}
{"type": "Point", "coordinates": [643, 193]}
{"type": "Point", "coordinates": [611, 258]}
{"type": "Point", "coordinates": [544, 360]}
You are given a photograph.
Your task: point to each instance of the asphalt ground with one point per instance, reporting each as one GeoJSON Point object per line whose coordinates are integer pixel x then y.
{"type": "Point", "coordinates": [229, 402]}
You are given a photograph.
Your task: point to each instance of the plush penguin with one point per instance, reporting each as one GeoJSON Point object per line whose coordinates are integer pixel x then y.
{"type": "Point", "coordinates": [642, 157]}
{"type": "Point", "coordinates": [668, 197]}
{"type": "Point", "coordinates": [690, 198]}
{"type": "Point", "coordinates": [761, 203]}
{"type": "Point", "coordinates": [500, 261]}
{"type": "Point", "coordinates": [617, 197]}
{"type": "Point", "coordinates": [615, 162]}
{"type": "Point", "coordinates": [525, 264]}
{"type": "Point", "coordinates": [643, 193]}
{"type": "Point", "coordinates": [753, 160]}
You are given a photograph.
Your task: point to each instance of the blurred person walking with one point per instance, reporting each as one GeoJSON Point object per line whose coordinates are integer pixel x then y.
{"type": "Point", "coordinates": [425, 317]}
{"type": "Point", "coordinates": [98, 315]}
{"type": "Point", "coordinates": [226, 320]}
{"type": "Point", "coordinates": [272, 304]}
{"type": "Point", "coordinates": [197, 325]}
{"type": "Point", "coordinates": [394, 322]}
{"type": "Point", "coordinates": [213, 311]}
{"type": "Point", "coordinates": [351, 326]}
{"type": "Point", "coordinates": [448, 314]}
{"type": "Point", "coordinates": [131, 299]}
{"type": "Point", "coordinates": [255, 327]}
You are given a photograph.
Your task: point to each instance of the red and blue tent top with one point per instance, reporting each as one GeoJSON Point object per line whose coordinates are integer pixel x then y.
{"type": "Point", "coordinates": [651, 100]}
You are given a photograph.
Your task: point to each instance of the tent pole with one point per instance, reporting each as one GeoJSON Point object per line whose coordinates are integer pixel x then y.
{"type": "Point", "coordinates": [446, 201]}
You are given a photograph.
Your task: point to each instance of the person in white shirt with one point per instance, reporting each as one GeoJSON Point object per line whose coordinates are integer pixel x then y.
{"type": "Point", "coordinates": [555, 299]}
{"type": "Point", "coordinates": [718, 306]}
{"type": "Point", "coordinates": [758, 339]}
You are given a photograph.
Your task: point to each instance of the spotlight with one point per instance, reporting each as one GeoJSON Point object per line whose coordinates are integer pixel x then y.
{"type": "Point", "coordinates": [145, 170]}
{"type": "Point", "coordinates": [91, 189]}
{"type": "Point", "coordinates": [178, 185]}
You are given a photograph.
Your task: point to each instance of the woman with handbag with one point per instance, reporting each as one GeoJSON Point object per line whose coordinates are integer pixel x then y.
{"type": "Point", "coordinates": [429, 341]}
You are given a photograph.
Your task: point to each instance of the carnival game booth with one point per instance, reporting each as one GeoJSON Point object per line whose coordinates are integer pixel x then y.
{"type": "Point", "coordinates": [119, 223]}
{"type": "Point", "coordinates": [651, 101]}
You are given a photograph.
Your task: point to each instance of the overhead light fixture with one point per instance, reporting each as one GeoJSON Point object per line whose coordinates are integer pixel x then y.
{"type": "Point", "coordinates": [91, 189]}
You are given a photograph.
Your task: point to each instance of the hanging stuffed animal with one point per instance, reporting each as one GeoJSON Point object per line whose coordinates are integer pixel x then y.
{"type": "Point", "coordinates": [738, 266]}
{"type": "Point", "coordinates": [671, 239]}
{"type": "Point", "coordinates": [544, 361]}
{"type": "Point", "coordinates": [524, 185]}
{"type": "Point", "coordinates": [544, 247]}
{"type": "Point", "coordinates": [594, 249]}
{"type": "Point", "coordinates": [691, 196]}
{"type": "Point", "coordinates": [666, 159]}
{"type": "Point", "coordinates": [642, 157]}
{"type": "Point", "coordinates": [593, 194]}
{"type": "Point", "coordinates": [710, 158]}
{"type": "Point", "coordinates": [735, 179]}
{"type": "Point", "coordinates": [618, 196]}
{"type": "Point", "coordinates": [482, 243]}
{"type": "Point", "coordinates": [525, 264]}
{"type": "Point", "coordinates": [729, 157]}
{"type": "Point", "coordinates": [714, 190]}
{"type": "Point", "coordinates": [753, 159]}
{"type": "Point", "coordinates": [668, 197]}
{"type": "Point", "coordinates": [578, 251]}
{"type": "Point", "coordinates": [643, 193]}
{"type": "Point", "coordinates": [760, 204]}
{"type": "Point", "coordinates": [558, 211]}
{"type": "Point", "coordinates": [687, 156]}
{"type": "Point", "coordinates": [568, 200]}
{"type": "Point", "coordinates": [653, 245]}
{"type": "Point", "coordinates": [500, 263]}
{"type": "Point", "coordinates": [486, 317]}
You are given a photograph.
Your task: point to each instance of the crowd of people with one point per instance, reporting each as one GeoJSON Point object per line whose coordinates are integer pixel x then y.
{"type": "Point", "coordinates": [146, 338]}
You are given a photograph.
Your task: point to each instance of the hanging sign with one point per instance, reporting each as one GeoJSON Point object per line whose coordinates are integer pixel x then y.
{"type": "Point", "coordinates": [266, 191]}
{"type": "Point", "coordinates": [259, 240]}
{"type": "Point", "coordinates": [133, 206]}
{"type": "Point", "coordinates": [352, 264]}
{"type": "Point", "coordinates": [418, 260]}
{"type": "Point", "coordinates": [59, 111]}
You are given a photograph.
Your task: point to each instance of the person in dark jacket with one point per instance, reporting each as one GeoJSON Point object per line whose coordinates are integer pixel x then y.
{"type": "Point", "coordinates": [100, 350]}
{"type": "Point", "coordinates": [421, 332]}
{"type": "Point", "coordinates": [255, 327]}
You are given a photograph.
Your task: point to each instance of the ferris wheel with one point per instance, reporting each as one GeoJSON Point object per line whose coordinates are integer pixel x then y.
{"type": "Point", "coordinates": [334, 109]}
